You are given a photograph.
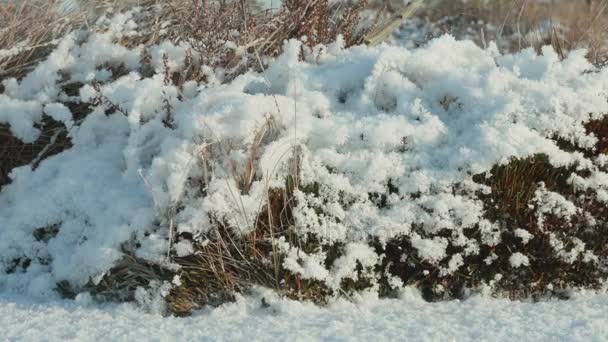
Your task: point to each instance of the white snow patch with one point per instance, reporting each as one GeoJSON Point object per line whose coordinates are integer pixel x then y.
{"type": "Point", "coordinates": [408, 318]}
{"type": "Point", "coordinates": [518, 259]}
{"type": "Point", "coordinates": [524, 235]}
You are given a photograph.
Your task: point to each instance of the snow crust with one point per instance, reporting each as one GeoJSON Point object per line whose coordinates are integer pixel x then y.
{"type": "Point", "coordinates": [389, 137]}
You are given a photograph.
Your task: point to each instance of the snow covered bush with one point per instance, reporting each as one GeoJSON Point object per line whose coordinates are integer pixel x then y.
{"type": "Point", "coordinates": [333, 170]}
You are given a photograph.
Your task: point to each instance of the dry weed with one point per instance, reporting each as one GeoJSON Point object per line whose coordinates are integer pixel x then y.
{"type": "Point", "coordinates": [517, 24]}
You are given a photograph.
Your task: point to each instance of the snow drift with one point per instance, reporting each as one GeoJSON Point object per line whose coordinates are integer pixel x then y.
{"type": "Point", "coordinates": [370, 146]}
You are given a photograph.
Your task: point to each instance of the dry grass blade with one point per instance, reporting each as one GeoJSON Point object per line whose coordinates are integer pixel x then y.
{"type": "Point", "coordinates": [383, 31]}
{"type": "Point", "coordinates": [564, 24]}
{"type": "Point", "coordinates": [28, 30]}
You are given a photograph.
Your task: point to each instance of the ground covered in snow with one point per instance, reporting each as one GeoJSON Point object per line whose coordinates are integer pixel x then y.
{"type": "Point", "coordinates": [584, 318]}
{"type": "Point", "coordinates": [385, 140]}
{"type": "Point", "coordinates": [383, 157]}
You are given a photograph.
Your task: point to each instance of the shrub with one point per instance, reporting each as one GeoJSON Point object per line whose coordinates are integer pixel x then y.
{"type": "Point", "coordinates": [328, 172]}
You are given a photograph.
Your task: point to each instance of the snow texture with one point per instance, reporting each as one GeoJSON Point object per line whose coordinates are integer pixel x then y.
{"type": "Point", "coordinates": [583, 318]}
{"type": "Point", "coordinates": [409, 126]}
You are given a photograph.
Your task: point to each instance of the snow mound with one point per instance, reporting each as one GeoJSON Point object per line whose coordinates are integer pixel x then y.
{"type": "Point", "coordinates": [384, 142]}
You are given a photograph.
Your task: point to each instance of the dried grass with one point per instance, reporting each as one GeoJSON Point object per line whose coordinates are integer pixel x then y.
{"type": "Point", "coordinates": [234, 35]}
{"type": "Point", "coordinates": [565, 24]}
{"type": "Point", "coordinates": [13, 152]}
{"type": "Point", "coordinates": [28, 30]}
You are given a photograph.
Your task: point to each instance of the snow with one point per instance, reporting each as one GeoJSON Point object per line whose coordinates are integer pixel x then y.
{"type": "Point", "coordinates": [21, 116]}
{"type": "Point", "coordinates": [583, 318]}
{"type": "Point", "coordinates": [524, 235]}
{"type": "Point", "coordinates": [408, 124]}
{"type": "Point", "coordinates": [518, 259]}
{"type": "Point", "coordinates": [552, 203]}
{"type": "Point", "coordinates": [405, 124]}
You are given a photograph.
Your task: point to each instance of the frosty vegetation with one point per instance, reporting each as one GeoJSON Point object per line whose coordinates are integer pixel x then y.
{"type": "Point", "coordinates": [319, 173]}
